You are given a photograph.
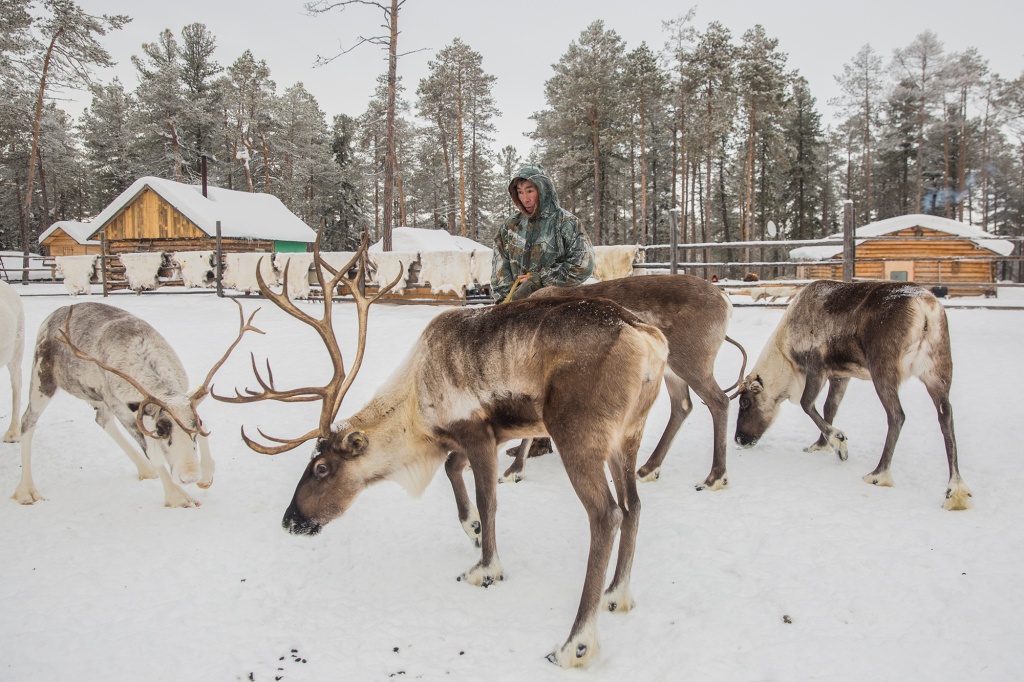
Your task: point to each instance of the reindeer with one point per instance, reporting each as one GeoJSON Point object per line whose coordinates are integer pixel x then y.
{"type": "Point", "coordinates": [693, 314]}
{"type": "Point", "coordinates": [128, 373]}
{"type": "Point", "coordinates": [832, 331]}
{"type": "Point", "coordinates": [584, 372]}
{"type": "Point", "coordinates": [12, 350]}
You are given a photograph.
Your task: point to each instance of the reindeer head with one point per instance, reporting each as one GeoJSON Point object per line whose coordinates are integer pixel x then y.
{"type": "Point", "coordinates": [338, 470]}
{"type": "Point", "coordinates": [757, 410]}
{"type": "Point", "coordinates": [336, 473]}
{"type": "Point", "coordinates": [171, 427]}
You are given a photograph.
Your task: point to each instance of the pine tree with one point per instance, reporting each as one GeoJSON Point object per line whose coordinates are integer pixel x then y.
{"type": "Point", "coordinates": [861, 85]}
{"type": "Point", "coordinates": [585, 116]}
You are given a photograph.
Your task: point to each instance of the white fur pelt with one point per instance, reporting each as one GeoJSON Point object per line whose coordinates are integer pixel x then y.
{"type": "Point", "coordinates": [240, 271]}
{"type": "Point", "coordinates": [78, 272]}
{"type": "Point", "coordinates": [614, 262]}
{"type": "Point", "coordinates": [336, 259]}
{"type": "Point", "coordinates": [389, 264]}
{"type": "Point", "coordinates": [196, 268]}
{"type": "Point", "coordinates": [298, 272]}
{"type": "Point", "coordinates": [482, 265]}
{"type": "Point", "coordinates": [447, 271]}
{"type": "Point", "coordinates": [141, 269]}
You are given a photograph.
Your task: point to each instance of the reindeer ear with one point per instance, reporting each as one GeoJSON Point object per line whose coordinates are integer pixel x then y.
{"type": "Point", "coordinates": [756, 386]}
{"type": "Point", "coordinates": [356, 442]}
{"type": "Point", "coordinates": [134, 407]}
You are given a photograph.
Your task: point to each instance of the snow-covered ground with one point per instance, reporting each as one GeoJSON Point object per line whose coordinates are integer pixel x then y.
{"type": "Point", "coordinates": [797, 571]}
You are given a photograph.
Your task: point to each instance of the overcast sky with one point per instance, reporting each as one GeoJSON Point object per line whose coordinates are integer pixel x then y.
{"type": "Point", "coordinates": [519, 41]}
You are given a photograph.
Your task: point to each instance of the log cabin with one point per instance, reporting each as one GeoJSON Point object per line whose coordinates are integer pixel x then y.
{"type": "Point", "coordinates": [963, 263]}
{"type": "Point", "coordinates": [160, 215]}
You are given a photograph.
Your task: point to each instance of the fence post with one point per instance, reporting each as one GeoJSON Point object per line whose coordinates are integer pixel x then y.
{"type": "Point", "coordinates": [673, 231]}
{"type": "Point", "coordinates": [103, 262]}
{"type": "Point", "coordinates": [849, 245]}
{"type": "Point", "coordinates": [220, 267]}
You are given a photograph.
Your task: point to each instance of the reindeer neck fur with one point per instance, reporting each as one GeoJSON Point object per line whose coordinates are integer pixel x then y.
{"type": "Point", "coordinates": [779, 374]}
{"type": "Point", "coordinates": [404, 449]}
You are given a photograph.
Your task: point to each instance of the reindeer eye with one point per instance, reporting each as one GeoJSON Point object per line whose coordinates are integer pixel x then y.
{"type": "Point", "coordinates": [321, 469]}
{"type": "Point", "coordinates": [744, 402]}
{"type": "Point", "coordinates": [163, 428]}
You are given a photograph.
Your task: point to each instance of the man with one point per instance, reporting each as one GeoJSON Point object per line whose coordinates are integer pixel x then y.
{"type": "Point", "coordinates": [541, 245]}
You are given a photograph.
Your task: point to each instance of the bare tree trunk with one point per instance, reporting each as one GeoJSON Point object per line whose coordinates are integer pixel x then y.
{"type": "Point", "coordinates": [27, 204]}
{"type": "Point", "coordinates": [632, 186]}
{"type": "Point", "coordinates": [389, 158]}
{"type": "Point", "coordinates": [462, 162]}
{"type": "Point", "coordinates": [43, 198]}
{"type": "Point", "coordinates": [595, 140]}
{"type": "Point", "coordinates": [643, 166]}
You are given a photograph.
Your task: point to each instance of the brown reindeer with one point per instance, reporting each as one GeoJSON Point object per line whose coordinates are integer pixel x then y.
{"type": "Point", "coordinates": [886, 332]}
{"type": "Point", "coordinates": [694, 315]}
{"type": "Point", "coordinates": [584, 372]}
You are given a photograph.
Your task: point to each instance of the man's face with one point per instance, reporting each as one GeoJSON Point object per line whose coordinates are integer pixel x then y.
{"type": "Point", "coordinates": [528, 197]}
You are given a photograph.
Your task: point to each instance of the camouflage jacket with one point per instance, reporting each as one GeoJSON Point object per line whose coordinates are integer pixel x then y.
{"type": "Point", "coordinates": [551, 245]}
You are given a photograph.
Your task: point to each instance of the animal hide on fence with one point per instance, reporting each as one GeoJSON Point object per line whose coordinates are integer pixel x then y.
{"type": "Point", "coordinates": [336, 259]}
{"type": "Point", "coordinates": [141, 269]}
{"type": "Point", "coordinates": [78, 272]}
{"type": "Point", "coordinates": [389, 264]}
{"type": "Point", "coordinates": [240, 271]}
{"type": "Point", "coordinates": [447, 271]}
{"type": "Point", "coordinates": [196, 268]}
{"type": "Point", "coordinates": [298, 272]}
{"type": "Point", "coordinates": [614, 262]}
{"type": "Point", "coordinates": [483, 261]}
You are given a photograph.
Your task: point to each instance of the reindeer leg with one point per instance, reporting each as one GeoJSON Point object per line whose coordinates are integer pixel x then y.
{"type": "Point", "coordinates": [514, 473]}
{"type": "Point", "coordinates": [585, 468]}
{"type": "Point", "coordinates": [679, 399]}
{"type": "Point", "coordinates": [618, 597]}
{"type": "Point", "coordinates": [206, 465]}
{"type": "Point", "coordinates": [480, 447]}
{"type": "Point", "coordinates": [836, 391]}
{"type": "Point", "coordinates": [468, 515]}
{"type": "Point", "coordinates": [26, 492]}
{"type": "Point", "coordinates": [888, 392]}
{"type": "Point", "coordinates": [106, 420]}
{"type": "Point", "coordinates": [13, 434]}
{"type": "Point", "coordinates": [958, 495]}
{"type": "Point", "coordinates": [834, 438]}
{"type": "Point", "coordinates": [711, 394]}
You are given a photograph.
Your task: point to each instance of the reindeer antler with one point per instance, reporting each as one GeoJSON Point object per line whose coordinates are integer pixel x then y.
{"type": "Point", "coordinates": [334, 391]}
{"type": "Point", "coordinates": [147, 397]}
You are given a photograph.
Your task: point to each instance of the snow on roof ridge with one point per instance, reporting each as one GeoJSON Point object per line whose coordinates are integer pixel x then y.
{"type": "Point", "coordinates": [879, 228]}
{"type": "Point", "coordinates": [243, 215]}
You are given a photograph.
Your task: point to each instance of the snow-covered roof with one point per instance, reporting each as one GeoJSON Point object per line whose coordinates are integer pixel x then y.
{"type": "Point", "coordinates": [880, 228]}
{"type": "Point", "coordinates": [242, 215]}
{"type": "Point", "coordinates": [78, 231]}
{"type": "Point", "coordinates": [419, 239]}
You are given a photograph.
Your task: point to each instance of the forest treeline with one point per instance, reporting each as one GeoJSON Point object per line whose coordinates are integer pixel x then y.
{"type": "Point", "coordinates": [712, 123]}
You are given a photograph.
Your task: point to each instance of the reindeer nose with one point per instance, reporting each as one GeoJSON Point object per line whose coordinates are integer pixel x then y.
{"type": "Point", "coordinates": [745, 440]}
{"type": "Point", "coordinates": [295, 523]}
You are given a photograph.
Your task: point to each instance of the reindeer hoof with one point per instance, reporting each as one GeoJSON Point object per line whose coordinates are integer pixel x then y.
{"type": "Point", "coordinates": [510, 478]}
{"type": "Point", "coordinates": [648, 476]}
{"type": "Point", "coordinates": [575, 654]}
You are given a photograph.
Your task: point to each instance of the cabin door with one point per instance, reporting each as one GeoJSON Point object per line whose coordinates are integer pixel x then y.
{"type": "Point", "coordinates": [899, 270]}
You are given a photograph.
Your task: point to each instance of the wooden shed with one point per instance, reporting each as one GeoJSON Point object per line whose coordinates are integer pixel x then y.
{"type": "Point", "coordinates": [159, 215]}
{"type": "Point", "coordinates": [155, 214]}
{"type": "Point", "coordinates": [965, 255]}
{"type": "Point", "coordinates": [68, 238]}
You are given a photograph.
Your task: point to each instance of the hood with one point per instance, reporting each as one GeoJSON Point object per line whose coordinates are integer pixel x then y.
{"type": "Point", "coordinates": [548, 204]}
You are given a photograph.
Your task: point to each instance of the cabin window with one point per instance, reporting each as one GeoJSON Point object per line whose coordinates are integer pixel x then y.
{"type": "Point", "coordinates": [899, 271]}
